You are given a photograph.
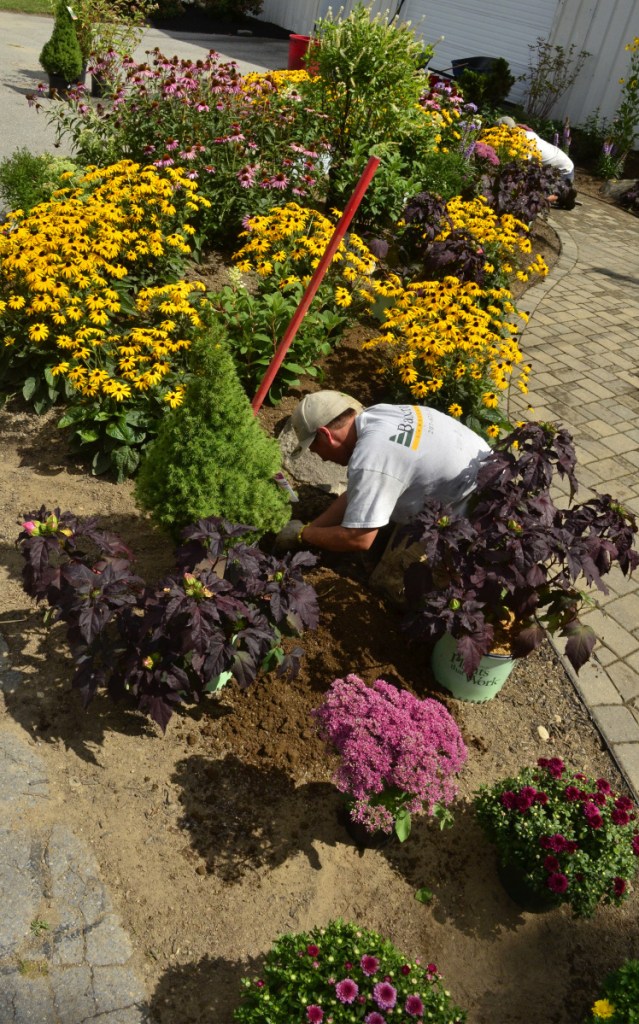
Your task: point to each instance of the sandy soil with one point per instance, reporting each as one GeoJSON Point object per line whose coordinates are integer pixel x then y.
{"type": "Point", "coordinates": [224, 833]}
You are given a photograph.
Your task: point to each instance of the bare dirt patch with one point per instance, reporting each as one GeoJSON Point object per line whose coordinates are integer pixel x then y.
{"type": "Point", "coordinates": [224, 833]}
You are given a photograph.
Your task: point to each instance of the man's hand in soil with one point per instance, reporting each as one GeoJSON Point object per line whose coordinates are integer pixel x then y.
{"type": "Point", "coordinates": [288, 539]}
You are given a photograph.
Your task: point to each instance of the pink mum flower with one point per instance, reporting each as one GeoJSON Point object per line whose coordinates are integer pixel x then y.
{"type": "Point", "coordinates": [314, 1014]}
{"type": "Point", "coordinates": [385, 995]}
{"type": "Point", "coordinates": [414, 1006]}
{"type": "Point", "coordinates": [346, 990]}
{"type": "Point", "coordinates": [369, 965]}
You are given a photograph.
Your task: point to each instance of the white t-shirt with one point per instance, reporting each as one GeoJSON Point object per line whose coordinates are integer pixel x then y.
{"type": "Point", "coordinates": [404, 454]}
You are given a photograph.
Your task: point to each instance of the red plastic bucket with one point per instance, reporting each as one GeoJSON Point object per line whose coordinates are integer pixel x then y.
{"type": "Point", "coordinates": [297, 48]}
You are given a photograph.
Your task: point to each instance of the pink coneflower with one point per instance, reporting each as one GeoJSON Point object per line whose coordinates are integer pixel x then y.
{"type": "Point", "coordinates": [202, 108]}
{"type": "Point", "coordinates": [414, 1006]}
{"type": "Point", "coordinates": [172, 144]}
{"type": "Point", "coordinates": [277, 181]}
{"type": "Point", "coordinates": [314, 1014]}
{"type": "Point", "coordinates": [346, 990]}
{"type": "Point", "coordinates": [246, 176]}
{"type": "Point", "coordinates": [385, 995]}
{"type": "Point", "coordinates": [557, 882]}
{"type": "Point", "coordinates": [369, 965]}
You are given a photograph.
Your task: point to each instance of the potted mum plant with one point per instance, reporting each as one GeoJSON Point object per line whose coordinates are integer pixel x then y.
{"type": "Point", "coordinates": [343, 973]}
{"type": "Point", "coordinates": [619, 1001]}
{"type": "Point", "coordinates": [398, 756]}
{"type": "Point", "coordinates": [507, 570]}
{"type": "Point", "coordinates": [561, 837]}
{"type": "Point", "coordinates": [61, 56]}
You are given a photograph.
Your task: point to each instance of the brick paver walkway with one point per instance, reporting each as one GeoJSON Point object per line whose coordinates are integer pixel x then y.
{"type": "Point", "coordinates": [583, 342]}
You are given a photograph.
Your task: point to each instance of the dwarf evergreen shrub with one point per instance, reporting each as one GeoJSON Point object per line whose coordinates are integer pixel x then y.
{"type": "Point", "coordinates": [211, 456]}
{"type": "Point", "coordinates": [61, 55]}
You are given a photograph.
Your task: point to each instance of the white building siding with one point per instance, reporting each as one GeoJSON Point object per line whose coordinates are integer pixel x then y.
{"type": "Point", "coordinates": [603, 29]}
{"type": "Point", "coordinates": [490, 28]}
{"type": "Point", "coordinates": [505, 28]}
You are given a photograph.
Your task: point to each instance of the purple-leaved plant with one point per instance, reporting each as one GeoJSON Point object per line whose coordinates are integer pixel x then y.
{"type": "Point", "coordinates": [399, 755]}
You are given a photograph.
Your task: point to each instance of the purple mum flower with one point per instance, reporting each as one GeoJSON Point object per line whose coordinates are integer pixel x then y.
{"type": "Point", "coordinates": [385, 995]}
{"type": "Point", "coordinates": [314, 1014]}
{"type": "Point", "coordinates": [374, 1018]}
{"type": "Point", "coordinates": [346, 990]}
{"type": "Point", "coordinates": [414, 1006]}
{"type": "Point", "coordinates": [557, 882]}
{"type": "Point", "coordinates": [369, 965]}
{"type": "Point", "coordinates": [618, 886]}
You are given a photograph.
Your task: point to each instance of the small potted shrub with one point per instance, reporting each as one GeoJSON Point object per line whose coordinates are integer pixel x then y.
{"type": "Point", "coordinates": [507, 570]}
{"type": "Point", "coordinates": [343, 973]}
{"type": "Point", "coordinates": [61, 56]}
{"type": "Point", "coordinates": [398, 755]}
{"type": "Point", "coordinates": [619, 998]}
{"type": "Point", "coordinates": [561, 837]}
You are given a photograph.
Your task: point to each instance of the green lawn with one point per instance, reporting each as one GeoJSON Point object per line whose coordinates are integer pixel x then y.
{"type": "Point", "coordinates": [27, 6]}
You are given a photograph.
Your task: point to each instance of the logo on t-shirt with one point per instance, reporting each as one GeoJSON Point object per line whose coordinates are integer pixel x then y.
{"type": "Point", "coordinates": [409, 428]}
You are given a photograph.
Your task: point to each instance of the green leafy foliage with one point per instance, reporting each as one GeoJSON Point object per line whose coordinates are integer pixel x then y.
{"type": "Point", "coordinates": [343, 973]}
{"type": "Point", "coordinates": [573, 838]}
{"type": "Point", "coordinates": [254, 326]}
{"type": "Point", "coordinates": [361, 59]}
{"type": "Point", "coordinates": [62, 55]}
{"type": "Point", "coordinates": [551, 71]}
{"type": "Point", "coordinates": [27, 179]}
{"type": "Point", "coordinates": [619, 998]}
{"type": "Point", "coordinates": [487, 89]}
{"type": "Point", "coordinates": [211, 456]}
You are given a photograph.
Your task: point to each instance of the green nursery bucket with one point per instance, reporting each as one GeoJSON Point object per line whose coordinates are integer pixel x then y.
{"type": "Point", "coordinates": [487, 681]}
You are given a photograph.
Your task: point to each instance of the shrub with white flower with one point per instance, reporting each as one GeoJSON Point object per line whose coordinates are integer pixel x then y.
{"type": "Point", "coordinates": [343, 973]}
{"type": "Point", "coordinates": [399, 755]}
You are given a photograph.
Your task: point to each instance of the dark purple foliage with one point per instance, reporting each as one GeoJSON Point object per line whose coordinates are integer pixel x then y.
{"type": "Point", "coordinates": [520, 189]}
{"type": "Point", "coordinates": [225, 608]}
{"type": "Point", "coordinates": [630, 198]}
{"type": "Point", "coordinates": [515, 559]}
{"type": "Point", "coordinates": [457, 255]}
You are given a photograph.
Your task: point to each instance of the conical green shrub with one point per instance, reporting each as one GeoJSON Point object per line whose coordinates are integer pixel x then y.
{"type": "Point", "coordinates": [61, 55]}
{"type": "Point", "coordinates": [211, 456]}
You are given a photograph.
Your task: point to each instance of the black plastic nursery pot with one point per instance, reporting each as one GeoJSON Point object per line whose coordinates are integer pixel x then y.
{"type": "Point", "coordinates": [58, 85]}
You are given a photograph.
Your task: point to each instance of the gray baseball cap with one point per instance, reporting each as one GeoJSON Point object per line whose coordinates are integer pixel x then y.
{"type": "Point", "coordinates": [316, 410]}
